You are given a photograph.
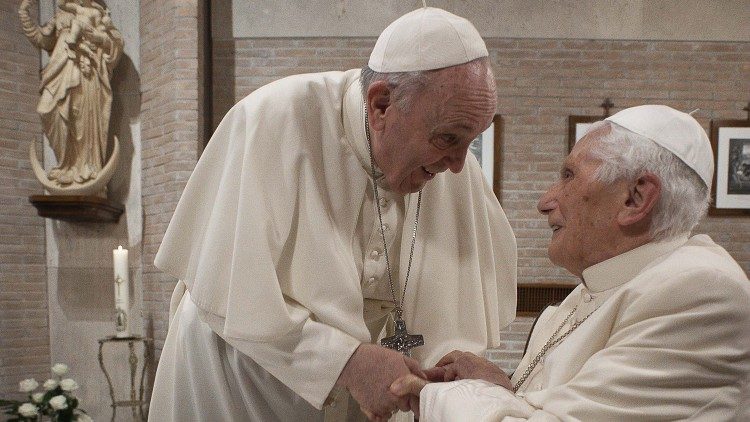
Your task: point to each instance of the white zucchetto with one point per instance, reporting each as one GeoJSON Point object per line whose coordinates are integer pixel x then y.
{"type": "Point", "coordinates": [425, 39]}
{"type": "Point", "coordinates": [674, 130]}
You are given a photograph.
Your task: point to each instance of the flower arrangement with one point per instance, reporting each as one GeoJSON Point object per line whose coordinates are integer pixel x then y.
{"type": "Point", "coordinates": [56, 401]}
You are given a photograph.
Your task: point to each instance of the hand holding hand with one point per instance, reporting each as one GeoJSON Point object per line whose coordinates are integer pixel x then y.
{"type": "Point", "coordinates": [368, 375]}
{"type": "Point", "coordinates": [409, 387]}
{"type": "Point", "coordinates": [458, 365]}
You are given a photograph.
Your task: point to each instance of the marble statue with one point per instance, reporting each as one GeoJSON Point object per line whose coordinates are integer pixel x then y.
{"type": "Point", "coordinates": [76, 95]}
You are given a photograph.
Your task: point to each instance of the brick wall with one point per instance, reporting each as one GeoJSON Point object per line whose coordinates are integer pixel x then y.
{"type": "Point", "coordinates": [242, 65]}
{"type": "Point", "coordinates": [540, 82]}
{"type": "Point", "coordinates": [171, 134]}
{"type": "Point", "coordinates": [24, 336]}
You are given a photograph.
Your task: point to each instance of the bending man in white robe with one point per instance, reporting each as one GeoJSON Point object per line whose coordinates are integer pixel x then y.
{"type": "Point", "coordinates": [279, 244]}
{"type": "Point", "coordinates": [660, 327]}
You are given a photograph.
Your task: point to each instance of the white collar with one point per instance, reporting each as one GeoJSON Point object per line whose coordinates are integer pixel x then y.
{"type": "Point", "coordinates": [626, 266]}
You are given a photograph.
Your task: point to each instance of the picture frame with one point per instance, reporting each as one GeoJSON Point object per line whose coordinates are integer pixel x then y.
{"type": "Point", "coordinates": [487, 148]}
{"type": "Point", "coordinates": [577, 127]}
{"type": "Point", "coordinates": [730, 141]}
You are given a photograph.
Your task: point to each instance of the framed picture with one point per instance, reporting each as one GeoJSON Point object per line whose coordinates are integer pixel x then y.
{"type": "Point", "coordinates": [487, 148]}
{"type": "Point", "coordinates": [730, 140]}
{"type": "Point", "coordinates": [578, 126]}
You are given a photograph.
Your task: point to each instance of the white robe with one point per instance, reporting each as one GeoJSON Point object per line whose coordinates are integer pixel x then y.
{"type": "Point", "coordinates": [277, 240]}
{"type": "Point", "coordinates": [668, 339]}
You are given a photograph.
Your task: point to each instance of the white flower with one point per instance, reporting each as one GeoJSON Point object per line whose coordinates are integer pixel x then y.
{"type": "Point", "coordinates": [37, 397]}
{"type": "Point", "coordinates": [60, 369]}
{"type": "Point", "coordinates": [82, 417]}
{"type": "Point", "coordinates": [28, 410]}
{"type": "Point", "coordinates": [27, 385]}
{"type": "Point", "coordinates": [58, 402]}
{"type": "Point", "coordinates": [50, 384]}
{"type": "Point", "coordinates": [68, 384]}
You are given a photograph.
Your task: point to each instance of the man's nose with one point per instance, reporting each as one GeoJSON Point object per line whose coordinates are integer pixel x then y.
{"type": "Point", "coordinates": [455, 159]}
{"type": "Point", "coordinates": [548, 201]}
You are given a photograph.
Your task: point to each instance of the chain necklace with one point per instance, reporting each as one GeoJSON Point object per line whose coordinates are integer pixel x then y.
{"type": "Point", "coordinates": [401, 341]}
{"type": "Point", "coordinates": [549, 344]}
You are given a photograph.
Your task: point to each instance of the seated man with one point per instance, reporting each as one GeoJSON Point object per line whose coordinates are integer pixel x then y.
{"type": "Point", "coordinates": [660, 327]}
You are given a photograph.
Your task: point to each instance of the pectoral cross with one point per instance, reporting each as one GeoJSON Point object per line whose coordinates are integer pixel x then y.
{"type": "Point", "coordinates": [402, 341]}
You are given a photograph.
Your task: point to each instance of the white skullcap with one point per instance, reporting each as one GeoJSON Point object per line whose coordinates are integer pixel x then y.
{"type": "Point", "coordinates": [674, 130]}
{"type": "Point", "coordinates": [425, 39]}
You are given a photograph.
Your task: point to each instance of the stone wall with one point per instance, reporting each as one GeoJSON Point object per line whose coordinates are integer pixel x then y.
{"type": "Point", "coordinates": [24, 331]}
{"type": "Point", "coordinates": [172, 134]}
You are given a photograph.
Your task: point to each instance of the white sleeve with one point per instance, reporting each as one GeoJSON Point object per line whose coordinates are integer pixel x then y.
{"type": "Point", "coordinates": [308, 361]}
{"type": "Point", "coordinates": [473, 400]}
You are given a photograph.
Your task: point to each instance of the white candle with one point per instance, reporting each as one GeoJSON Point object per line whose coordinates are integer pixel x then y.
{"type": "Point", "coordinates": [122, 292]}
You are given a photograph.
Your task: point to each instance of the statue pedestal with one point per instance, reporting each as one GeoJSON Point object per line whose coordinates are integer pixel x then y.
{"type": "Point", "coordinates": [77, 209]}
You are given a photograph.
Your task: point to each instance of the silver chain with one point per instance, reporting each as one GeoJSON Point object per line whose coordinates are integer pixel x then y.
{"type": "Point", "coordinates": [396, 302]}
{"type": "Point", "coordinates": [549, 344]}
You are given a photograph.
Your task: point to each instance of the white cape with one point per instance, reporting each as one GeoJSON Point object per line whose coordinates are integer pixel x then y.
{"type": "Point", "coordinates": [264, 239]}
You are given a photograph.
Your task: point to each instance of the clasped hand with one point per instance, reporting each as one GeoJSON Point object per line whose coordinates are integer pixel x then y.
{"type": "Point", "coordinates": [454, 366]}
{"type": "Point", "coordinates": [383, 381]}
{"type": "Point", "coordinates": [368, 375]}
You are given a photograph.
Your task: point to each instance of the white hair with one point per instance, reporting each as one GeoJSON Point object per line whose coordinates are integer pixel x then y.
{"type": "Point", "coordinates": [625, 155]}
{"type": "Point", "coordinates": [404, 85]}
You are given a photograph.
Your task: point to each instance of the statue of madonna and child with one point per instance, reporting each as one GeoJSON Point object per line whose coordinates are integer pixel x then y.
{"type": "Point", "coordinates": [76, 95]}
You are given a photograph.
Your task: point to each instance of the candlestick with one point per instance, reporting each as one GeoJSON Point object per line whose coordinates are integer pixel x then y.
{"type": "Point", "coordinates": [122, 292]}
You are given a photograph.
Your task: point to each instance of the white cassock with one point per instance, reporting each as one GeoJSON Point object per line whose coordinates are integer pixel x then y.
{"type": "Point", "coordinates": [277, 240]}
{"type": "Point", "coordinates": [668, 339]}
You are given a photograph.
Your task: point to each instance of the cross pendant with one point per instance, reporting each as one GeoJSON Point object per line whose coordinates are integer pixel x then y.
{"type": "Point", "coordinates": [402, 341]}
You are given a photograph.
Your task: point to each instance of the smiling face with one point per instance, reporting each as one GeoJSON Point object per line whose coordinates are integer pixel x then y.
{"type": "Point", "coordinates": [411, 147]}
{"type": "Point", "coordinates": [583, 212]}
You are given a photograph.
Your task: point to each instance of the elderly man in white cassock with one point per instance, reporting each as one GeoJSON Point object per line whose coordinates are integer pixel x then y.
{"type": "Point", "coordinates": [659, 328]}
{"type": "Point", "coordinates": [320, 219]}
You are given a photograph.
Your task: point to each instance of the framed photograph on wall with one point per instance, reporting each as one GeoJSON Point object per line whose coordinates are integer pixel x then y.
{"type": "Point", "coordinates": [730, 140]}
{"type": "Point", "coordinates": [487, 148]}
{"type": "Point", "coordinates": [577, 127]}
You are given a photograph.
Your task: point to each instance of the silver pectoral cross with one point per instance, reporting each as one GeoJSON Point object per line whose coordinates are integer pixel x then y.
{"type": "Point", "coordinates": [402, 341]}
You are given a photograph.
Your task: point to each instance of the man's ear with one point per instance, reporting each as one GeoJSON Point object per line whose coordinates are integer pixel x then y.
{"type": "Point", "coordinates": [378, 101]}
{"type": "Point", "coordinates": [643, 195]}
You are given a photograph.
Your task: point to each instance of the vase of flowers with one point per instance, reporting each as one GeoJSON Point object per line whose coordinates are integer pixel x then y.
{"type": "Point", "coordinates": [55, 401]}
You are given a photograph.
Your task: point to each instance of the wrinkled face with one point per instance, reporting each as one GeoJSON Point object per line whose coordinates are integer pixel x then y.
{"type": "Point", "coordinates": [434, 135]}
{"type": "Point", "coordinates": [581, 211]}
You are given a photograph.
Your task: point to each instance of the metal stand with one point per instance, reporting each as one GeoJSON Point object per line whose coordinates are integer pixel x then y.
{"type": "Point", "coordinates": [136, 405]}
